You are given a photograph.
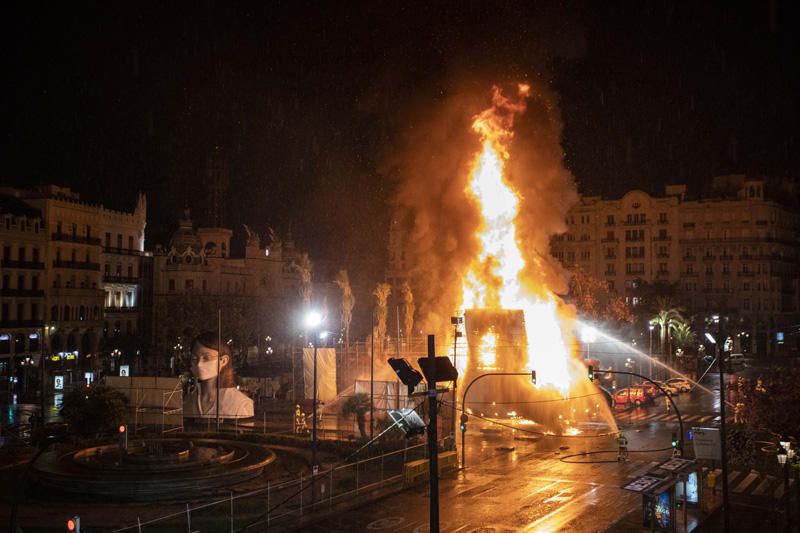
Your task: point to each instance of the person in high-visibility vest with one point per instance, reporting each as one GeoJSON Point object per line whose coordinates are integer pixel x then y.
{"type": "Point", "coordinates": [622, 454]}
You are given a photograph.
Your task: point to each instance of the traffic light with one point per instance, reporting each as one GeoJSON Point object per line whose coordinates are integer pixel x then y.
{"type": "Point", "coordinates": [533, 377]}
{"type": "Point", "coordinates": [675, 440]}
{"type": "Point", "coordinates": [464, 418]}
{"type": "Point", "coordinates": [74, 524]}
{"type": "Point", "coordinates": [591, 372]}
{"type": "Point", "coordinates": [123, 438]}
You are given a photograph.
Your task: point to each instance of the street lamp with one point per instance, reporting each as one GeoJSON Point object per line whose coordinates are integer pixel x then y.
{"type": "Point", "coordinates": [785, 456]}
{"type": "Point", "coordinates": [313, 321]}
{"type": "Point", "coordinates": [651, 327]}
{"type": "Point", "coordinates": [723, 425]}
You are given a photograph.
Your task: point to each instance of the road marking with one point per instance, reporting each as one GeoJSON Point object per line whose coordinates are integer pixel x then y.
{"type": "Point", "coordinates": [778, 494]}
{"type": "Point", "coordinates": [732, 475]}
{"type": "Point", "coordinates": [763, 486]}
{"type": "Point", "coordinates": [741, 487]}
{"type": "Point", "coordinates": [385, 523]}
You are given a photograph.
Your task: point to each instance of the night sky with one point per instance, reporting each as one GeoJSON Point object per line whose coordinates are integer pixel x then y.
{"type": "Point", "coordinates": [309, 100]}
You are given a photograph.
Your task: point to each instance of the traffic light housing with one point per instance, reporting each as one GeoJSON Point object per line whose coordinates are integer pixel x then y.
{"type": "Point", "coordinates": [74, 524]}
{"type": "Point", "coordinates": [533, 377]}
{"type": "Point", "coordinates": [675, 440]}
{"type": "Point", "coordinates": [123, 438]}
{"type": "Point", "coordinates": [591, 372]}
{"type": "Point", "coordinates": [463, 425]}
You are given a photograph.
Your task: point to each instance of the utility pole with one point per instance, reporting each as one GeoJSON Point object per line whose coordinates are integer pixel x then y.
{"type": "Point", "coordinates": [433, 447]}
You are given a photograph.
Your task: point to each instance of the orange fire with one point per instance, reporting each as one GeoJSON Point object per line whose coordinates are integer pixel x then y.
{"type": "Point", "coordinates": [494, 277]}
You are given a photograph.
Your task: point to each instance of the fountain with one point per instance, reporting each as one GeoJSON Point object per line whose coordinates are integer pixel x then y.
{"type": "Point", "coordinates": [153, 468]}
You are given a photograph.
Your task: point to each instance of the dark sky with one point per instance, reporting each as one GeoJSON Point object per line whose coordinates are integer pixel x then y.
{"type": "Point", "coordinates": [308, 100]}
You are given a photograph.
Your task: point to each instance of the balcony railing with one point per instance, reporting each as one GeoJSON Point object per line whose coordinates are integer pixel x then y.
{"type": "Point", "coordinates": [120, 250]}
{"type": "Point", "coordinates": [746, 274]}
{"type": "Point", "coordinates": [10, 263]}
{"type": "Point", "coordinates": [120, 279]}
{"type": "Point", "coordinates": [690, 258]}
{"type": "Point", "coordinates": [79, 265]}
{"type": "Point", "coordinates": [689, 274]}
{"type": "Point", "coordinates": [21, 323]}
{"type": "Point", "coordinates": [80, 239]}
{"type": "Point", "coordinates": [726, 257]}
{"type": "Point", "coordinates": [709, 257]}
{"type": "Point", "coordinates": [25, 293]}
{"type": "Point", "coordinates": [663, 238]}
{"type": "Point", "coordinates": [609, 240]}
{"type": "Point", "coordinates": [121, 309]}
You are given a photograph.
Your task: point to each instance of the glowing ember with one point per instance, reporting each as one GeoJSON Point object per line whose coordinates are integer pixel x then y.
{"type": "Point", "coordinates": [488, 351]}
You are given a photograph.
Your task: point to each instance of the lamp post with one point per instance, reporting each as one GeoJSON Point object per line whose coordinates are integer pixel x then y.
{"type": "Point", "coordinates": [785, 455]}
{"type": "Point", "coordinates": [651, 327]}
{"type": "Point", "coordinates": [313, 321]}
{"type": "Point", "coordinates": [455, 321]}
{"type": "Point", "coordinates": [722, 429]}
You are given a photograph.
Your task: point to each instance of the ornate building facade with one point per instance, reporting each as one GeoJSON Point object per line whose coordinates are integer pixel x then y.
{"type": "Point", "coordinates": [73, 259]}
{"type": "Point", "coordinates": [734, 254]}
{"type": "Point", "coordinates": [195, 277]}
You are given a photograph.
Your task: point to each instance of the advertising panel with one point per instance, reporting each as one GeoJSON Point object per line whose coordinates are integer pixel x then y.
{"type": "Point", "coordinates": [661, 509]}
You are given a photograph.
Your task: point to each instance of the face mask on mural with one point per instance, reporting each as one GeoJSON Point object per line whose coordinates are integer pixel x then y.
{"type": "Point", "coordinates": [204, 364]}
{"type": "Point", "coordinates": [204, 370]}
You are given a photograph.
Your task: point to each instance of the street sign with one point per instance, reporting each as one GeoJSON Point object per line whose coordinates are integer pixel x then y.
{"type": "Point", "coordinates": [58, 382]}
{"type": "Point", "coordinates": [706, 442]}
{"type": "Point", "coordinates": [675, 464]}
{"type": "Point", "coordinates": [643, 483]}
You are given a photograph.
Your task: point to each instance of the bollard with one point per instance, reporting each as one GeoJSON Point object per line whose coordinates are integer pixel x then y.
{"type": "Point", "coordinates": [268, 495]}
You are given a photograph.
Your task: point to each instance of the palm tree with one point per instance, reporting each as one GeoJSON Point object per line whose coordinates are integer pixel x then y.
{"type": "Point", "coordinates": [667, 319]}
{"type": "Point", "coordinates": [358, 405]}
{"type": "Point", "coordinates": [684, 336]}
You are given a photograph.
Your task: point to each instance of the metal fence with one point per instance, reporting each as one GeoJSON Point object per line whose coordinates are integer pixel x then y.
{"type": "Point", "coordinates": [279, 504]}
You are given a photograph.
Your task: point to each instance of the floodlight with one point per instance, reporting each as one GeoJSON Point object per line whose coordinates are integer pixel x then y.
{"type": "Point", "coordinates": [407, 421]}
{"type": "Point", "coordinates": [443, 366]}
{"type": "Point", "coordinates": [407, 374]}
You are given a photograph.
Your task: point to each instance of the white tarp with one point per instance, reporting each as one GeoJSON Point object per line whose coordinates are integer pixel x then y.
{"type": "Point", "coordinates": [326, 374]}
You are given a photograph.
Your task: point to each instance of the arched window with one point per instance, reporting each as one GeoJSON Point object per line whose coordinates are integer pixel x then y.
{"type": "Point", "coordinates": [19, 343]}
{"type": "Point", "coordinates": [96, 313]}
{"type": "Point", "coordinates": [66, 313]}
{"type": "Point", "coordinates": [82, 313]}
{"type": "Point", "coordinates": [117, 326]}
{"type": "Point", "coordinates": [54, 313]}
{"type": "Point", "coordinates": [71, 343]}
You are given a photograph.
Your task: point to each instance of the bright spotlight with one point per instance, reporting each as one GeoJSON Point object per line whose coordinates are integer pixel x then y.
{"type": "Point", "coordinates": [711, 338]}
{"type": "Point", "coordinates": [313, 319]}
{"type": "Point", "coordinates": [588, 334]}
{"type": "Point", "coordinates": [323, 335]}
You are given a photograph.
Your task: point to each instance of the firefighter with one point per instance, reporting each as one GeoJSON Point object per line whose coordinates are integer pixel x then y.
{"type": "Point", "coordinates": [622, 455]}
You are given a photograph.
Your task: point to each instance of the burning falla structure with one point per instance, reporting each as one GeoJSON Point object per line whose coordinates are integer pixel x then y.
{"type": "Point", "coordinates": [514, 320]}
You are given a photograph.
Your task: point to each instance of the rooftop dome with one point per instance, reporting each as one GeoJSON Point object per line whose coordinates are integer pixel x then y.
{"type": "Point", "coordinates": [185, 236]}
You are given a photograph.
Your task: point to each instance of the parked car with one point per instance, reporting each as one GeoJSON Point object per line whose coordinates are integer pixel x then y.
{"type": "Point", "coordinates": [736, 359]}
{"type": "Point", "coordinates": [681, 384]}
{"type": "Point", "coordinates": [670, 389]}
{"type": "Point", "coordinates": [634, 395]}
{"type": "Point", "coordinates": [650, 389]}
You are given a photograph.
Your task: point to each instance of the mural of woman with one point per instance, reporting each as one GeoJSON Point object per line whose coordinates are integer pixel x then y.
{"type": "Point", "coordinates": [201, 401]}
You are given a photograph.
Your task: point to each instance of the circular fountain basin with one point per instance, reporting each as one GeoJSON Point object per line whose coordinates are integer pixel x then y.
{"type": "Point", "coordinates": [153, 469]}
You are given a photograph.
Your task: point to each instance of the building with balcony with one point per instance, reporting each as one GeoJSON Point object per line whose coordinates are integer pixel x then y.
{"type": "Point", "coordinates": [733, 253]}
{"type": "Point", "coordinates": [195, 275]}
{"type": "Point", "coordinates": [56, 253]}
{"type": "Point", "coordinates": [23, 244]}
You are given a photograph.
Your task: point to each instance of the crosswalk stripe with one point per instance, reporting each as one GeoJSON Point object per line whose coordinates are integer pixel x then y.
{"type": "Point", "coordinates": [741, 487]}
{"type": "Point", "coordinates": [706, 419]}
{"type": "Point", "coordinates": [733, 475]}
{"type": "Point", "coordinates": [778, 494]}
{"type": "Point", "coordinates": [763, 486]}
{"type": "Point", "coordinates": [691, 418]}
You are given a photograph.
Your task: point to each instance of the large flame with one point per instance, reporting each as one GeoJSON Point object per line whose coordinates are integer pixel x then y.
{"type": "Point", "coordinates": [494, 278]}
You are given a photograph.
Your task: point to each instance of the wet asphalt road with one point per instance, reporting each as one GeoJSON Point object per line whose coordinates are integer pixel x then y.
{"type": "Point", "coordinates": [531, 488]}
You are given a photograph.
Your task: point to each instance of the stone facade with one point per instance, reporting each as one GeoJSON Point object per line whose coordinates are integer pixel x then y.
{"type": "Point", "coordinates": [733, 254]}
